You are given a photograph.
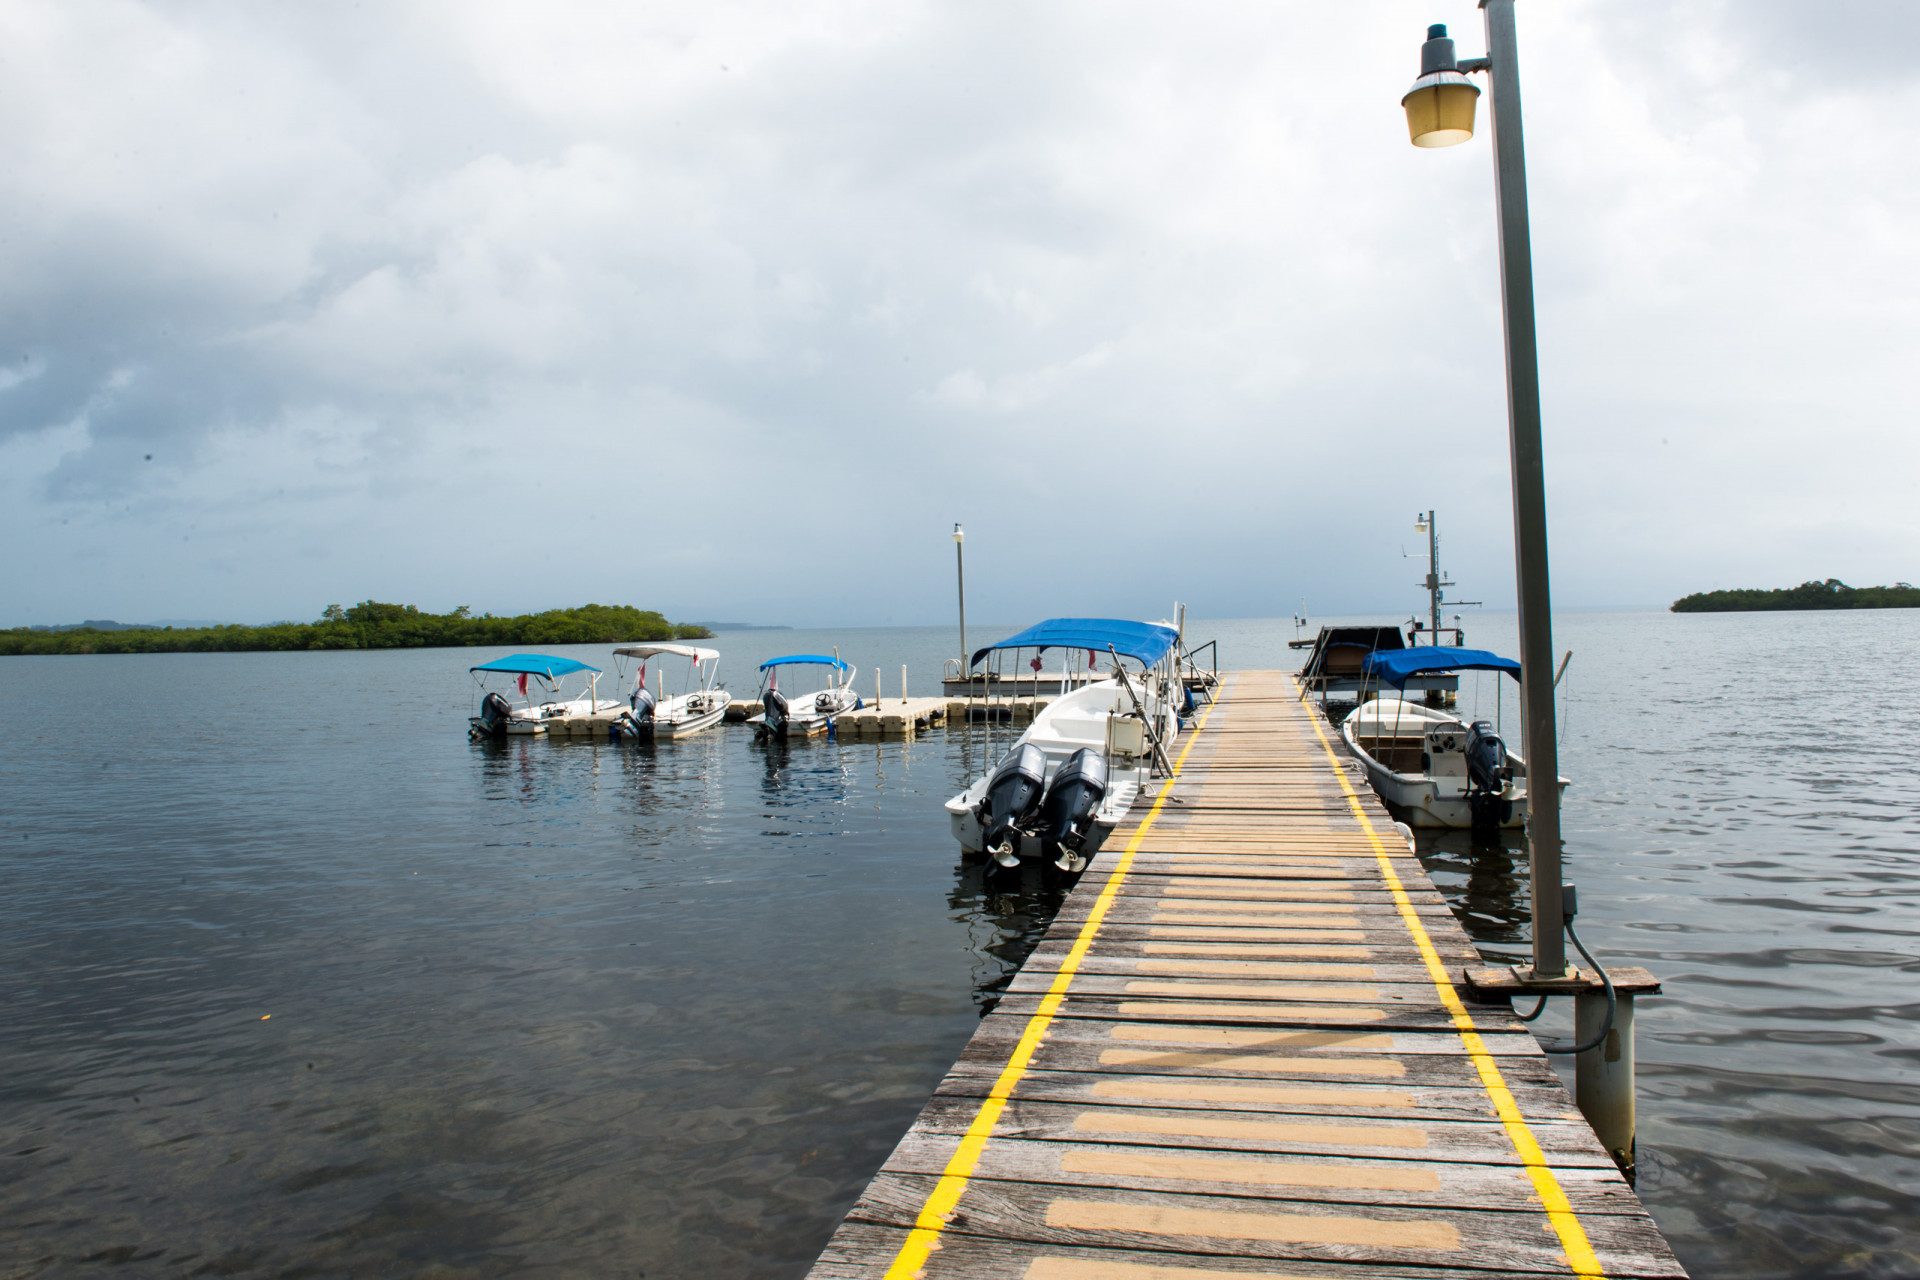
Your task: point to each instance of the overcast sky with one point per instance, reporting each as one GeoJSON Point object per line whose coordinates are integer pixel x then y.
{"type": "Point", "coordinates": [731, 310]}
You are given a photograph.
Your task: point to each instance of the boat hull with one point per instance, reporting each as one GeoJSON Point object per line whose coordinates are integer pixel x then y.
{"type": "Point", "coordinates": [683, 723]}
{"type": "Point", "coordinates": [966, 827]}
{"type": "Point", "coordinates": [1437, 804]}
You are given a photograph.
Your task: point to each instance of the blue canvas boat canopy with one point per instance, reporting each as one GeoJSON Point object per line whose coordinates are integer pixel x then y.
{"type": "Point", "coordinates": [535, 664]}
{"type": "Point", "coordinates": [1394, 665]}
{"type": "Point", "coordinates": [1146, 641]}
{"type": "Point", "coordinates": [806, 660]}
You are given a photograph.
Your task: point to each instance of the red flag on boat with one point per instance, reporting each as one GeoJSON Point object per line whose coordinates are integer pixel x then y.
{"type": "Point", "coordinates": [523, 684]}
{"type": "Point", "coordinates": [1035, 664]}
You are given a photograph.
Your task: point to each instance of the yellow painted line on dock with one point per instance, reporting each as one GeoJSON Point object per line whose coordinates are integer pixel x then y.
{"type": "Point", "coordinates": [1566, 1224]}
{"type": "Point", "coordinates": [932, 1220]}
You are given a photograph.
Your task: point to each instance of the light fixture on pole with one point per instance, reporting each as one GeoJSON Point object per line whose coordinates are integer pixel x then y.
{"type": "Point", "coordinates": [1441, 103]}
{"type": "Point", "coordinates": [1440, 109]}
{"type": "Point", "coordinates": [960, 565]}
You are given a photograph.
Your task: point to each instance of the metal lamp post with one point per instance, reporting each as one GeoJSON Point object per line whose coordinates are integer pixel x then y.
{"type": "Point", "coordinates": [1440, 109]}
{"type": "Point", "coordinates": [960, 565]}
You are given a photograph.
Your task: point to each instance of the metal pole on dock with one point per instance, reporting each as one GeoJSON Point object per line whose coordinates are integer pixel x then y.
{"type": "Point", "coordinates": [960, 565]}
{"type": "Point", "coordinates": [1529, 492]}
{"type": "Point", "coordinates": [1440, 113]}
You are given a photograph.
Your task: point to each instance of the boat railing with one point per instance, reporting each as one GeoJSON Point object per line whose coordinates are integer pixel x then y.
{"type": "Point", "coordinates": [1210, 679]}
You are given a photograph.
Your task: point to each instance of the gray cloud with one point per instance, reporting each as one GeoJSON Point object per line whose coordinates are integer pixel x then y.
{"type": "Point", "coordinates": [734, 309]}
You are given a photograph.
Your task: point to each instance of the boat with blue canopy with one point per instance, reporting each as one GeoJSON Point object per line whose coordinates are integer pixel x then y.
{"type": "Point", "coordinates": [798, 711]}
{"type": "Point", "coordinates": [541, 681]}
{"type": "Point", "coordinates": [1066, 782]}
{"type": "Point", "coordinates": [1433, 767]}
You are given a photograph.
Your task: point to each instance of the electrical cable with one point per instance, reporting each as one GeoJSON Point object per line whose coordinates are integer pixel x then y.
{"type": "Point", "coordinates": [1600, 1038]}
{"type": "Point", "coordinates": [1537, 1011]}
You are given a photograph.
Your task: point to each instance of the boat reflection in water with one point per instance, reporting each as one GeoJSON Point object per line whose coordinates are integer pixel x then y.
{"type": "Point", "coordinates": [1006, 913]}
{"type": "Point", "coordinates": [1483, 877]}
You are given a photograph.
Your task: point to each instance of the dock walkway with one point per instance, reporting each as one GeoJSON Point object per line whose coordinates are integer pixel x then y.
{"type": "Point", "coordinates": [1240, 1050]}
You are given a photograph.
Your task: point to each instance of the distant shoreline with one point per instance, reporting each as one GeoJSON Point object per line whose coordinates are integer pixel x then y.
{"type": "Point", "coordinates": [367, 625]}
{"type": "Point", "coordinates": [1831, 594]}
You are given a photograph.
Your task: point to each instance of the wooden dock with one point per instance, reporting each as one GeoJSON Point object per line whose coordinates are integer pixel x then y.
{"type": "Point", "coordinates": [1241, 1050]}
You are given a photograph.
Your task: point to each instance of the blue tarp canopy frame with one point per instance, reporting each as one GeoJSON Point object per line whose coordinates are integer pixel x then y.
{"type": "Point", "coordinates": [806, 660]}
{"type": "Point", "coordinates": [1147, 642]}
{"type": "Point", "coordinates": [535, 664]}
{"type": "Point", "coordinates": [1394, 666]}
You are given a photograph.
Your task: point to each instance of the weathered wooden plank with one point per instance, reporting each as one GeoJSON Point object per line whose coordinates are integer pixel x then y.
{"type": "Point", "coordinates": [1367, 966]}
{"type": "Point", "coordinates": [1119, 942]}
{"type": "Point", "coordinates": [1481, 1141]}
{"type": "Point", "coordinates": [1189, 986]}
{"type": "Point", "coordinates": [1274, 1178]}
{"type": "Point", "coordinates": [862, 1251]}
{"type": "Point", "coordinates": [1125, 937]}
{"type": "Point", "coordinates": [1443, 1094]}
{"type": "Point", "coordinates": [1381, 1235]}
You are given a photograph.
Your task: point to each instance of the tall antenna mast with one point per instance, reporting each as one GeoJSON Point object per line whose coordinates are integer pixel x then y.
{"type": "Point", "coordinates": [1435, 582]}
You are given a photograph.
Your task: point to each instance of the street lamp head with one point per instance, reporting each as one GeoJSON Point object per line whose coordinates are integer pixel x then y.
{"type": "Point", "coordinates": [1440, 105]}
{"type": "Point", "coordinates": [959, 534]}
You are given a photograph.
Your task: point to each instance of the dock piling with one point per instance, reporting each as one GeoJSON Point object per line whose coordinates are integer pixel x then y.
{"type": "Point", "coordinates": [1603, 1076]}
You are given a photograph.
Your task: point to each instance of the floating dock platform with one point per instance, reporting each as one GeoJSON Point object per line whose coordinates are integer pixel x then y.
{"type": "Point", "coordinates": [1244, 1048]}
{"type": "Point", "coordinates": [903, 718]}
{"type": "Point", "coordinates": [896, 718]}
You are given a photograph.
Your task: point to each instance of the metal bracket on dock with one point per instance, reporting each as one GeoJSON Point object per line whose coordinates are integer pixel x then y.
{"type": "Point", "coordinates": [1489, 985]}
{"type": "Point", "coordinates": [1603, 1076]}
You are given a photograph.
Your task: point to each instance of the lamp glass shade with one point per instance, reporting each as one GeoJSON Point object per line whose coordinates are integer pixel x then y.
{"type": "Point", "coordinates": [1440, 109]}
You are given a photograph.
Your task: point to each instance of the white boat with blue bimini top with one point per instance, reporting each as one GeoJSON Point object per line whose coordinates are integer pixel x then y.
{"type": "Point", "coordinates": [652, 713]}
{"type": "Point", "coordinates": [500, 716]}
{"type": "Point", "coordinates": [790, 713]}
{"type": "Point", "coordinates": [1434, 768]}
{"type": "Point", "coordinates": [1069, 779]}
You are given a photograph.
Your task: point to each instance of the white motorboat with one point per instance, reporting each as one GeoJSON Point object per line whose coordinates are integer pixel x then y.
{"type": "Point", "coordinates": [534, 674]}
{"type": "Point", "coordinates": [791, 713]}
{"type": "Point", "coordinates": [1433, 768]}
{"type": "Point", "coordinates": [651, 713]}
{"type": "Point", "coordinates": [1070, 778]}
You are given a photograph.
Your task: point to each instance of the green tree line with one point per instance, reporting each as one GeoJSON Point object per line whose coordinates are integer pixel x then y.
{"type": "Point", "coordinates": [369, 625]}
{"type": "Point", "coordinates": [1831, 594]}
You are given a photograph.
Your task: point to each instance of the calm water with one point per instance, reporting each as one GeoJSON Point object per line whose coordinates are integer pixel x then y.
{"type": "Point", "coordinates": [589, 1010]}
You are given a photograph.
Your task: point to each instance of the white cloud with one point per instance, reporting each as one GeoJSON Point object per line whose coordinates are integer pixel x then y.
{"type": "Point", "coordinates": [469, 303]}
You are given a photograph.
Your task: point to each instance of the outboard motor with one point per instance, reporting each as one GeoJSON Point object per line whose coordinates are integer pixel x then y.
{"type": "Point", "coordinates": [1066, 815]}
{"type": "Point", "coordinates": [774, 723]}
{"type": "Point", "coordinates": [639, 721]}
{"type": "Point", "coordinates": [1012, 796]}
{"type": "Point", "coordinates": [494, 711]}
{"type": "Point", "coordinates": [1487, 776]}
